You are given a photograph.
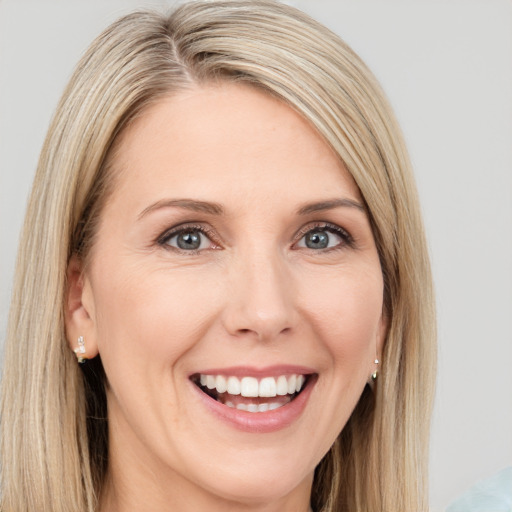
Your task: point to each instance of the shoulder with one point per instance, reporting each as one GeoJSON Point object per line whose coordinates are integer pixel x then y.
{"type": "Point", "coordinates": [493, 494]}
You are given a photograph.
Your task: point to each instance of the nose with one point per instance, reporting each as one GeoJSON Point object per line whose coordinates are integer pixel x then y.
{"type": "Point", "coordinates": [261, 303]}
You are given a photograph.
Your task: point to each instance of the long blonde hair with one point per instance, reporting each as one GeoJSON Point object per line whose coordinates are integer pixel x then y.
{"type": "Point", "coordinates": [54, 440]}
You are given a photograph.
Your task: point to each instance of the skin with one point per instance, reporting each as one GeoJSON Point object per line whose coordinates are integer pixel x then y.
{"type": "Point", "coordinates": [253, 295]}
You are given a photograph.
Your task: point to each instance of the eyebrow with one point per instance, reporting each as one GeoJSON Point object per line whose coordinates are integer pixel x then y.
{"type": "Point", "coordinates": [329, 205]}
{"type": "Point", "coordinates": [188, 204]}
{"type": "Point", "coordinates": [216, 209]}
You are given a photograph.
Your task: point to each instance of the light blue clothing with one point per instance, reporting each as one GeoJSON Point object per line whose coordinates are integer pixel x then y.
{"type": "Point", "coordinates": [491, 495]}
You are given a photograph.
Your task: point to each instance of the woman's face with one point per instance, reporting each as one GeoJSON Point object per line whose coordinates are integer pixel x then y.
{"type": "Point", "coordinates": [234, 264]}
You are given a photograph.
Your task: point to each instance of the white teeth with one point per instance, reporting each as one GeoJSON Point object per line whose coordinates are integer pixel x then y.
{"type": "Point", "coordinates": [210, 381]}
{"type": "Point", "coordinates": [282, 385]}
{"type": "Point", "coordinates": [300, 383]}
{"type": "Point", "coordinates": [233, 386]}
{"type": "Point", "coordinates": [267, 387]}
{"type": "Point", "coordinates": [255, 407]}
{"type": "Point", "coordinates": [250, 387]}
{"type": "Point", "coordinates": [292, 383]}
{"type": "Point", "coordinates": [263, 407]}
{"type": "Point", "coordinates": [221, 384]}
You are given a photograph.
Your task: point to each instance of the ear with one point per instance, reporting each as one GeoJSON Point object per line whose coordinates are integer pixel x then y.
{"type": "Point", "coordinates": [79, 312]}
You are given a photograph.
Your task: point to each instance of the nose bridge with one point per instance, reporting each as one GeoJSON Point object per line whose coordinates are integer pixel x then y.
{"type": "Point", "coordinates": [262, 300]}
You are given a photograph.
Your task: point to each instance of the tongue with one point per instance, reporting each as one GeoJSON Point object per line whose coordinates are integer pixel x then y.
{"type": "Point", "coordinates": [239, 399]}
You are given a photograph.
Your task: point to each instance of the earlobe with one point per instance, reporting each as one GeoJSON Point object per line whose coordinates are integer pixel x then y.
{"type": "Point", "coordinates": [79, 312]}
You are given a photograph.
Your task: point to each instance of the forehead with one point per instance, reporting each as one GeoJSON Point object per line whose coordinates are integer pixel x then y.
{"type": "Point", "coordinates": [226, 137]}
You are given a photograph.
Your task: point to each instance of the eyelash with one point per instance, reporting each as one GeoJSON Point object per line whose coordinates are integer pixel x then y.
{"type": "Point", "coordinates": [177, 230]}
{"type": "Point", "coordinates": [348, 240]}
{"type": "Point", "coordinates": [163, 239]}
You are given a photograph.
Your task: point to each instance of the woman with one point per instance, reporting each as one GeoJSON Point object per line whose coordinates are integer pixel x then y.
{"type": "Point", "coordinates": [224, 230]}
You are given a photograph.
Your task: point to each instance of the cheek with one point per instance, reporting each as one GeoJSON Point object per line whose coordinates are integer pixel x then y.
{"type": "Point", "coordinates": [346, 311]}
{"type": "Point", "coordinates": [153, 316]}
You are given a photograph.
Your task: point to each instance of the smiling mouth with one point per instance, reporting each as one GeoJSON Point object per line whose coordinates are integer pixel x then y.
{"type": "Point", "coordinates": [250, 393]}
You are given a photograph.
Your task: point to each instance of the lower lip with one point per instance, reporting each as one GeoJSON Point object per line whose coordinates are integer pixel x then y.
{"type": "Point", "coordinates": [260, 422]}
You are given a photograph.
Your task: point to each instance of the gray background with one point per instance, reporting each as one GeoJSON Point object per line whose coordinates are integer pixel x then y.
{"type": "Point", "coordinates": [447, 68]}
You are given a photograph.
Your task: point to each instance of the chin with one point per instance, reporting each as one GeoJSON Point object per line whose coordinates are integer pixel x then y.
{"type": "Point", "coordinates": [252, 489]}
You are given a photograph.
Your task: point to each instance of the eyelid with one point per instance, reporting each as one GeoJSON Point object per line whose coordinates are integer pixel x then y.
{"type": "Point", "coordinates": [188, 226]}
{"type": "Point", "coordinates": [207, 231]}
{"type": "Point", "coordinates": [326, 226]}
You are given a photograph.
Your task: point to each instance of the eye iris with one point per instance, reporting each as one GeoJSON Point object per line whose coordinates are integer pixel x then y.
{"type": "Point", "coordinates": [317, 240]}
{"type": "Point", "coordinates": [189, 240]}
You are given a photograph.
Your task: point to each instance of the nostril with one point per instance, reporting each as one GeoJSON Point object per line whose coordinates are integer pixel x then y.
{"type": "Point", "coordinates": [262, 333]}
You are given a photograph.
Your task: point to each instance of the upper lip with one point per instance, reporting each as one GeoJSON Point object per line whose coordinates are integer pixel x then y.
{"type": "Point", "coordinates": [257, 372]}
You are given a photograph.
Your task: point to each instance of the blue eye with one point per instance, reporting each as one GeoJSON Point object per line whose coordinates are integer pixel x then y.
{"type": "Point", "coordinates": [318, 240]}
{"type": "Point", "coordinates": [187, 239]}
{"type": "Point", "coordinates": [324, 237]}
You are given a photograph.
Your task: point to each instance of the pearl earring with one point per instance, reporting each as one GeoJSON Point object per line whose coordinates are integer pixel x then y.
{"type": "Point", "coordinates": [375, 373]}
{"type": "Point", "coordinates": [80, 350]}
